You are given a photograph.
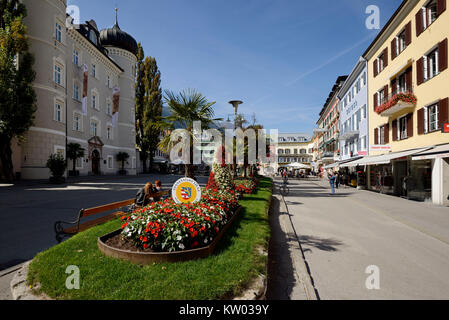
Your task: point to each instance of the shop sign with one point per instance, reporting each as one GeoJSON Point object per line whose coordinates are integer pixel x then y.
{"type": "Point", "coordinates": [380, 148]}
{"type": "Point", "coordinates": [445, 128]}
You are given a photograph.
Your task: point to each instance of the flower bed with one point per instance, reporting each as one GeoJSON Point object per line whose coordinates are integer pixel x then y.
{"type": "Point", "coordinates": [245, 186]}
{"type": "Point", "coordinates": [169, 227]}
{"type": "Point", "coordinates": [404, 97]}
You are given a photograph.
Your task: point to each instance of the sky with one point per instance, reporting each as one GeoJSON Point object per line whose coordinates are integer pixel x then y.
{"type": "Point", "coordinates": [280, 57]}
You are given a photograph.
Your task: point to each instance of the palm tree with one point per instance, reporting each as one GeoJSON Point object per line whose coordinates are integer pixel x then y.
{"type": "Point", "coordinates": [185, 108]}
{"type": "Point", "coordinates": [122, 157]}
{"type": "Point", "coordinates": [74, 152]}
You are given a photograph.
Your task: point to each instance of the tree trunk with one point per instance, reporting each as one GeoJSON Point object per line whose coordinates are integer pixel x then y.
{"type": "Point", "coordinates": [144, 161]}
{"type": "Point", "coordinates": [151, 161]}
{"type": "Point", "coordinates": [6, 167]}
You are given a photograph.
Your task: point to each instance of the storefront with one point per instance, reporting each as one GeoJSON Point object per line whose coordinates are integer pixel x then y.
{"type": "Point", "coordinates": [430, 172]}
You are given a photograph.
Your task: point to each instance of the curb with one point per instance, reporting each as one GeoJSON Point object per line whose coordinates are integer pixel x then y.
{"type": "Point", "coordinates": [19, 288]}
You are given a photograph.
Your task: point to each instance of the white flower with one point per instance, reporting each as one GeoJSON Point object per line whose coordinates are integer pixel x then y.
{"type": "Point", "coordinates": [181, 246]}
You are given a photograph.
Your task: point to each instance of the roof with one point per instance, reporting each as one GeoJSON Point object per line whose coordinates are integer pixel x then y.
{"type": "Point", "coordinates": [116, 37]}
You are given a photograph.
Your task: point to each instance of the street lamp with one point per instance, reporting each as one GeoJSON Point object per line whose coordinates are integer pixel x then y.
{"type": "Point", "coordinates": [235, 104]}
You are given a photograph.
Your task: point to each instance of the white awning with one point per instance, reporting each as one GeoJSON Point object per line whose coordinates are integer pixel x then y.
{"type": "Point", "coordinates": [383, 159]}
{"type": "Point", "coordinates": [330, 166]}
{"type": "Point", "coordinates": [441, 151]}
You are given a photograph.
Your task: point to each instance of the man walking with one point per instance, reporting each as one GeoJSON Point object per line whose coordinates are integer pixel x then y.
{"type": "Point", "coordinates": [332, 182]}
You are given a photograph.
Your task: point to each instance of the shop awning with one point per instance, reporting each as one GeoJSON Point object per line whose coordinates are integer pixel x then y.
{"type": "Point", "coordinates": [383, 159]}
{"type": "Point", "coordinates": [441, 151]}
{"type": "Point", "coordinates": [342, 163]}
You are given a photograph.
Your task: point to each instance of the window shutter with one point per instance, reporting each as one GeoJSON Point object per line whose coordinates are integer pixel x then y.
{"type": "Point", "coordinates": [410, 125]}
{"type": "Point", "coordinates": [394, 87]}
{"type": "Point", "coordinates": [393, 49]}
{"type": "Point", "coordinates": [386, 129]}
{"type": "Point", "coordinates": [421, 121]}
{"type": "Point", "coordinates": [442, 55]}
{"type": "Point", "coordinates": [408, 33]}
{"type": "Point", "coordinates": [443, 110]}
{"type": "Point", "coordinates": [375, 101]}
{"type": "Point", "coordinates": [441, 6]}
{"type": "Point", "coordinates": [375, 68]}
{"type": "Point", "coordinates": [395, 130]}
{"type": "Point", "coordinates": [385, 94]}
{"type": "Point", "coordinates": [376, 136]}
{"type": "Point", "coordinates": [419, 23]}
{"type": "Point", "coordinates": [385, 57]}
{"type": "Point", "coordinates": [408, 79]}
{"type": "Point", "coordinates": [420, 71]}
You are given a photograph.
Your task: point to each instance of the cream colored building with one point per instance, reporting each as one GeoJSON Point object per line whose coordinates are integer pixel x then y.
{"type": "Point", "coordinates": [409, 154]}
{"type": "Point", "coordinates": [294, 148]}
{"type": "Point", "coordinates": [61, 54]}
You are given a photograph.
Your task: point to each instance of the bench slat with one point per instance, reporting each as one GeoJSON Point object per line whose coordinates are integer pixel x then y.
{"type": "Point", "coordinates": [108, 207]}
{"type": "Point", "coordinates": [87, 225]}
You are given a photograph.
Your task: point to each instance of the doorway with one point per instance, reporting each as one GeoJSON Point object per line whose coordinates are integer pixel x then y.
{"type": "Point", "coordinates": [96, 162]}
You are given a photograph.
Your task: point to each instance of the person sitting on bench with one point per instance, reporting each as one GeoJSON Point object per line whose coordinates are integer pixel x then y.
{"type": "Point", "coordinates": [158, 188]}
{"type": "Point", "coordinates": [143, 196]}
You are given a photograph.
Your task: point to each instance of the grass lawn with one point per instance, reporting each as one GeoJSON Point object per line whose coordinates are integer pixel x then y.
{"type": "Point", "coordinates": [235, 263]}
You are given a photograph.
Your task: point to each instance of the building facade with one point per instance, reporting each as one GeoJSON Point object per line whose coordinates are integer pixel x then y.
{"type": "Point", "coordinates": [353, 98]}
{"type": "Point", "coordinates": [329, 128]}
{"type": "Point", "coordinates": [408, 92]}
{"type": "Point", "coordinates": [76, 64]}
{"type": "Point", "coordinates": [294, 148]}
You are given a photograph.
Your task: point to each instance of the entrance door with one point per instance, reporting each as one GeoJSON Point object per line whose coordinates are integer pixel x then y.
{"type": "Point", "coordinates": [95, 162]}
{"type": "Point", "coordinates": [400, 174]}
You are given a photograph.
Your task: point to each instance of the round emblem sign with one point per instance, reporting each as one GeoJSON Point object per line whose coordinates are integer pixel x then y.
{"type": "Point", "coordinates": [186, 190]}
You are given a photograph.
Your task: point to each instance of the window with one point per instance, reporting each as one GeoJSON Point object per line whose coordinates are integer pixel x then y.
{"type": "Point", "coordinates": [433, 118]}
{"type": "Point", "coordinates": [94, 70]}
{"type": "Point", "coordinates": [380, 62]}
{"type": "Point", "coordinates": [402, 127]}
{"type": "Point", "coordinates": [93, 128]}
{"type": "Point", "coordinates": [79, 163]}
{"type": "Point", "coordinates": [430, 13]}
{"type": "Point", "coordinates": [382, 135]}
{"type": "Point", "coordinates": [108, 108]}
{"type": "Point", "coordinates": [58, 32]}
{"type": "Point", "coordinates": [76, 91]}
{"type": "Point", "coordinates": [95, 104]}
{"type": "Point", "coordinates": [77, 122]}
{"type": "Point", "coordinates": [364, 112]}
{"type": "Point", "coordinates": [281, 151]}
{"type": "Point", "coordinates": [109, 133]}
{"type": "Point", "coordinates": [58, 112]}
{"type": "Point", "coordinates": [93, 37]}
{"type": "Point", "coordinates": [76, 59]}
{"type": "Point", "coordinates": [303, 151]}
{"type": "Point", "coordinates": [364, 79]}
{"type": "Point", "coordinates": [58, 74]}
{"type": "Point", "coordinates": [110, 162]}
{"type": "Point", "coordinates": [108, 82]}
{"type": "Point", "coordinates": [380, 97]}
{"type": "Point", "coordinates": [401, 43]}
{"type": "Point", "coordinates": [431, 65]}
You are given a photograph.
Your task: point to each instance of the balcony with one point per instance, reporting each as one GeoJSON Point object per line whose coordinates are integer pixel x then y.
{"type": "Point", "coordinates": [349, 134]}
{"type": "Point", "coordinates": [328, 154]}
{"type": "Point", "coordinates": [397, 102]}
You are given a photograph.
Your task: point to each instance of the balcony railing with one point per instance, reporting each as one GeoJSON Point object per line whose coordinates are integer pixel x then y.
{"type": "Point", "coordinates": [397, 101]}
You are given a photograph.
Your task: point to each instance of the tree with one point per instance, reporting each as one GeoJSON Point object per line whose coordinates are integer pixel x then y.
{"type": "Point", "coordinates": [186, 108]}
{"type": "Point", "coordinates": [74, 152]}
{"type": "Point", "coordinates": [141, 140]}
{"type": "Point", "coordinates": [122, 157]}
{"type": "Point", "coordinates": [17, 96]}
{"type": "Point", "coordinates": [148, 106]}
{"type": "Point", "coordinates": [153, 106]}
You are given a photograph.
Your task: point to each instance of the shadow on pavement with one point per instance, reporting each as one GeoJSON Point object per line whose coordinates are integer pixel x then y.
{"type": "Point", "coordinates": [281, 277]}
{"type": "Point", "coordinates": [319, 243]}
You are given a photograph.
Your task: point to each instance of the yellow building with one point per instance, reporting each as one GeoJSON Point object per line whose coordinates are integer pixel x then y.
{"type": "Point", "coordinates": [408, 82]}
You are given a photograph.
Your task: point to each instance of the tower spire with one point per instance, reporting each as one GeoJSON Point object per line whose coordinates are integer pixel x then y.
{"type": "Point", "coordinates": [116, 17]}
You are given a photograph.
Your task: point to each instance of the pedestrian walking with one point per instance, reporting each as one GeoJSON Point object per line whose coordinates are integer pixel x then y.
{"type": "Point", "coordinates": [337, 180]}
{"type": "Point", "coordinates": [332, 182]}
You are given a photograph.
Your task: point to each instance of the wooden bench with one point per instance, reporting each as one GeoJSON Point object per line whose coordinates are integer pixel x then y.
{"type": "Point", "coordinates": [122, 208]}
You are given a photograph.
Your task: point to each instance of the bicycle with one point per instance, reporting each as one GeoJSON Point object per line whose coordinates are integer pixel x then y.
{"type": "Point", "coordinates": [284, 189]}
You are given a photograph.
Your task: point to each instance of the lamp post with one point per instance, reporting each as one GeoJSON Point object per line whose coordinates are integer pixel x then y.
{"type": "Point", "coordinates": [235, 104]}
